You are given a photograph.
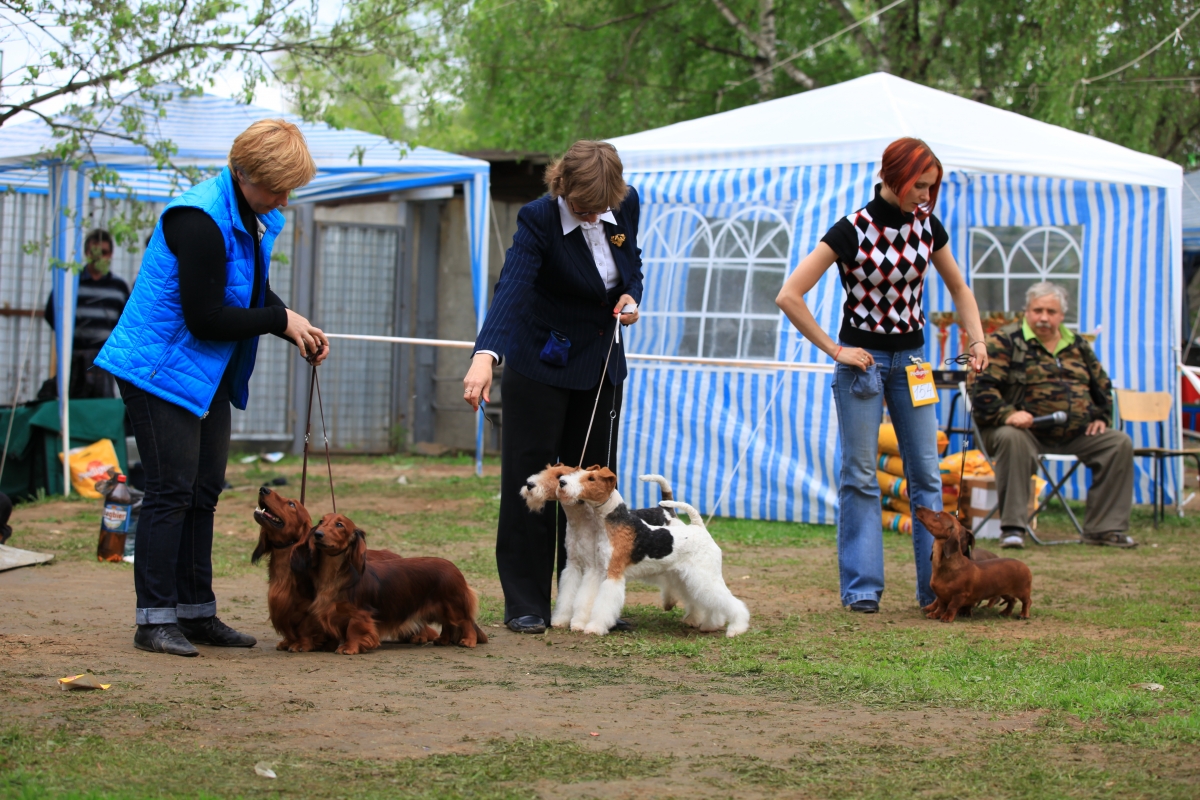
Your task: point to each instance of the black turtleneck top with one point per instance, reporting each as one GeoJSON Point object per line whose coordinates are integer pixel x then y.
{"type": "Point", "coordinates": [882, 255]}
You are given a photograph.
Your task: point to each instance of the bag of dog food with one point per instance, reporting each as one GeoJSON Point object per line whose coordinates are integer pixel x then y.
{"type": "Point", "coordinates": [90, 464]}
{"type": "Point", "coordinates": [892, 465]}
{"type": "Point", "coordinates": [901, 523]}
{"type": "Point", "coordinates": [890, 445]}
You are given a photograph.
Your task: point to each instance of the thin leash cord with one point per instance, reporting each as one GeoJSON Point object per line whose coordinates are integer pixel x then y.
{"type": "Point", "coordinates": [17, 390]}
{"type": "Point", "coordinates": [599, 389]}
{"type": "Point", "coordinates": [315, 384]}
{"type": "Point", "coordinates": [312, 382]}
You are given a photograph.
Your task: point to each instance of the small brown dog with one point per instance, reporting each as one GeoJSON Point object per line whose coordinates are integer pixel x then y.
{"type": "Point", "coordinates": [961, 582]}
{"type": "Point", "coordinates": [282, 522]}
{"type": "Point", "coordinates": [359, 599]}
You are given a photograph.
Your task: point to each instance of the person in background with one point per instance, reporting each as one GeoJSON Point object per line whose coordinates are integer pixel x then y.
{"type": "Point", "coordinates": [1038, 366]}
{"type": "Point", "coordinates": [183, 352]}
{"type": "Point", "coordinates": [99, 302]}
{"type": "Point", "coordinates": [883, 252]}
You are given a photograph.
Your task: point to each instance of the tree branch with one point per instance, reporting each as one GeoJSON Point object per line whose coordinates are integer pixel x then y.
{"type": "Point", "coordinates": [865, 45]}
{"type": "Point", "coordinates": [649, 12]}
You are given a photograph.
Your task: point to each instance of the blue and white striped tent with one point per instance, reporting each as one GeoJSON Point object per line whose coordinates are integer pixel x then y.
{"type": "Point", "coordinates": [201, 128]}
{"type": "Point", "coordinates": [733, 201]}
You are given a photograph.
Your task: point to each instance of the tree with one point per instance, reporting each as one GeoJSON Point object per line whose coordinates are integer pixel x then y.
{"type": "Point", "coordinates": [538, 75]}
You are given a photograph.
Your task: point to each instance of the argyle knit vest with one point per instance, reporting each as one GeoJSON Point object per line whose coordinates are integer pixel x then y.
{"type": "Point", "coordinates": [885, 283]}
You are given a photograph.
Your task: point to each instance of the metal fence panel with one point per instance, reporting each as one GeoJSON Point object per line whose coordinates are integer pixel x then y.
{"type": "Point", "coordinates": [355, 288]}
{"type": "Point", "coordinates": [25, 339]}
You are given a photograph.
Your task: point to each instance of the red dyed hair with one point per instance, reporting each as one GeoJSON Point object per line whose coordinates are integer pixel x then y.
{"type": "Point", "coordinates": [904, 161]}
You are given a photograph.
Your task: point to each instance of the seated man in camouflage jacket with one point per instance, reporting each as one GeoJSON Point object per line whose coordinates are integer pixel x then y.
{"type": "Point", "coordinates": [1037, 367]}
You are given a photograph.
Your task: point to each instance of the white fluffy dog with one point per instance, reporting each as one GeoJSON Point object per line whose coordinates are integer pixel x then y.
{"type": "Point", "coordinates": [682, 559]}
{"type": "Point", "coordinates": [588, 548]}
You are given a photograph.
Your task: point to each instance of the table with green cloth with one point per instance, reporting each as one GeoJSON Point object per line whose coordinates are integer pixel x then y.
{"type": "Point", "coordinates": [33, 461]}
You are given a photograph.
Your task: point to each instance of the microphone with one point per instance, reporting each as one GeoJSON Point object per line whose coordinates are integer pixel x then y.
{"type": "Point", "coordinates": [1057, 418]}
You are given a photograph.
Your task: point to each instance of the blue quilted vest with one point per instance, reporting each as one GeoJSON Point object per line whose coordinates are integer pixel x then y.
{"type": "Point", "coordinates": [151, 346]}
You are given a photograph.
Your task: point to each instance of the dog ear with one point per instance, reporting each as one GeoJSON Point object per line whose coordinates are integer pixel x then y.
{"type": "Point", "coordinates": [608, 476]}
{"type": "Point", "coordinates": [303, 553]}
{"type": "Point", "coordinates": [261, 549]}
{"type": "Point", "coordinates": [358, 553]}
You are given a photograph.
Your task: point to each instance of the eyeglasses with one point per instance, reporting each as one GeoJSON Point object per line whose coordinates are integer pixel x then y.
{"type": "Point", "coordinates": [578, 213]}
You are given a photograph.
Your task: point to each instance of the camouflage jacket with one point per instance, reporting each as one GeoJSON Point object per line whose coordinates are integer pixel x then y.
{"type": "Point", "coordinates": [1023, 376]}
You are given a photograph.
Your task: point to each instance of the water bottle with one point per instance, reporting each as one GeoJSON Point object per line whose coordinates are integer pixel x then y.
{"type": "Point", "coordinates": [114, 524]}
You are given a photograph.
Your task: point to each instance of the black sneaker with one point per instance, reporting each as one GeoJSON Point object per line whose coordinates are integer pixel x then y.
{"type": "Point", "coordinates": [212, 631]}
{"type": "Point", "coordinates": [865, 606]}
{"type": "Point", "coordinates": [167, 638]}
{"type": "Point", "coordinates": [622, 626]}
{"type": "Point", "coordinates": [530, 623]}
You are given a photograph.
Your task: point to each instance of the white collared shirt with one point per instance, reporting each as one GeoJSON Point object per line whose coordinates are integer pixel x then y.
{"type": "Point", "coordinates": [597, 242]}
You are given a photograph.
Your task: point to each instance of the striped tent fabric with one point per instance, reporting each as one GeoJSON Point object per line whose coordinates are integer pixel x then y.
{"type": "Point", "coordinates": [779, 428]}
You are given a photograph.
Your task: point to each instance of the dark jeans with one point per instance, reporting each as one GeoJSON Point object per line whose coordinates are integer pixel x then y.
{"type": "Point", "coordinates": [543, 425]}
{"type": "Point", "coordinates": [184, 457]}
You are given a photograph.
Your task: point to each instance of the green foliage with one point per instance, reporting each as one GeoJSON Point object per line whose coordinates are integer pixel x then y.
{"type": "Point", "coordinates": [535, 76]}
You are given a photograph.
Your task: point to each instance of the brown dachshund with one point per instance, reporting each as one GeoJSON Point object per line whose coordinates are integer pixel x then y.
{"type": "Point", "coordinates": [961, 582]}
{"type": "Point", "coordinates": [934, 609]}
{"type": "Point", "coordinates": [360, 600]}
{"type": "Point", "coordinates": [282, 522]}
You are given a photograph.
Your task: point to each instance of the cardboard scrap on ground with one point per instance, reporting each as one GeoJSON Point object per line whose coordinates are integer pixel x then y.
{"type": "Point", "coordinates": [12, 557]}
{"type": "Point", "coordinates": [81, 683]}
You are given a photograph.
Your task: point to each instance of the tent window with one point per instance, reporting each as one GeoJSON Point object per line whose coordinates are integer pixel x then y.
{"type": "Point", "coordinates": [732, 280]}
{"type": "Point", "coordinates": [1005, 261]}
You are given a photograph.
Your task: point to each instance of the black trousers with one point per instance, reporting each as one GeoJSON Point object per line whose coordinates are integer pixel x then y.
{"type": "Point", "coordinates": [184, 457]}
{"type": "Point", "coordinates": [544, 425]}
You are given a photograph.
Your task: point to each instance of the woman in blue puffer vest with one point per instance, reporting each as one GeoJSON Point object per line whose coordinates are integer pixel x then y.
{"type": "Point", "coordinates": [183, 351]}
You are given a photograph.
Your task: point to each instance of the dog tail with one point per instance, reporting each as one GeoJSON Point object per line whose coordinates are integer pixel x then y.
{"type": "Point", "coordinates": [694, 516]}
{"type": "Point", "coordinates": [667, 494]}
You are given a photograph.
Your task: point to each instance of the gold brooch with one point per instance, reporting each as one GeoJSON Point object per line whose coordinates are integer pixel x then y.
{"type": "Point", "coordinates": [617, 239]}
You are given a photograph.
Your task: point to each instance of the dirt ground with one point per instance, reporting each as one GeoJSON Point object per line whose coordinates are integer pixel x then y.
{"type": "Point", "coordinates": [404, 701]}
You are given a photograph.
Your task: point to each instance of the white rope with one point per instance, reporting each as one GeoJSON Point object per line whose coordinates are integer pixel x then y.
{"type": "Point", "coordinates": [1175, 34]}
{"type": "Point", "coordinates": [739, 363]}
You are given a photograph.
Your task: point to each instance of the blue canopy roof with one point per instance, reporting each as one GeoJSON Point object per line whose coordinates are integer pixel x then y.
{"type": "Point", "coordinates": [350, 162]}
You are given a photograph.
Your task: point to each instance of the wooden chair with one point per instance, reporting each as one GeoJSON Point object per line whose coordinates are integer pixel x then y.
{"type": "Point", "coordinates": [1154, 407]}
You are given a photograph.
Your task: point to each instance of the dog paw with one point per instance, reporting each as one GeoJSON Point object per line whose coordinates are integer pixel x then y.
{"type": "Point", "coordinates": [595, 630]}
{"type": "Point", "coordinates": [284, 645]}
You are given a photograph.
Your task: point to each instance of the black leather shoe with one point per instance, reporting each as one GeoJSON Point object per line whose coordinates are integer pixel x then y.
{"type": "Point", "coordinates": [163, 639]}
{"type": "Point", "coordinates": [622, 626]}
{"type": "Point", "coordinates": [527, 624]}
{"type": "Point", "coordinates": [212, 631]}
{"type": "Point", "coordinates": [865, 606]}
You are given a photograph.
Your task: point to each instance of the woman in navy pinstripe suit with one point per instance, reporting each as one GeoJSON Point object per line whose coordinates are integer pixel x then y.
{"type": "Point", "coordinates": [573, 267]}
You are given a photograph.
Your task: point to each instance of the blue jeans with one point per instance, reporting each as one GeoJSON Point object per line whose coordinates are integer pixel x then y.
{"type": "Point", "coordinates": [184, 456]}
{"type": "Point", "coordinates": [859, 397]}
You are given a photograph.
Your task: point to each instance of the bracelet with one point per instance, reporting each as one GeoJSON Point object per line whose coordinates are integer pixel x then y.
{"type": "Point", "coordinates": [839, 350]}
{"type": "Point", "coordinates": [972, 344]}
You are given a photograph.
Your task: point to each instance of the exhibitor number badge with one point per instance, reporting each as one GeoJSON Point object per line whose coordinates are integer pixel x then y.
{"type": "Point", "coordinates": [920, 384]}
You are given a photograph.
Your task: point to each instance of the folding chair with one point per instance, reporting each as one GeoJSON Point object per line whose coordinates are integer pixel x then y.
{"type": "Point", "coordinates": [1134, 406]}
{"type": "Point", "coordinates": [1043, 460]}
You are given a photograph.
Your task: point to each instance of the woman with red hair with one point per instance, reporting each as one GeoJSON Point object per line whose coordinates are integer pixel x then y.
{"type": "Point", "coordinates": [883, 251]}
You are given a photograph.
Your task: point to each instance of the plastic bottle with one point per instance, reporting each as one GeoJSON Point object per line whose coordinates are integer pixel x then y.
{"type": "Point", "coordinates": [114, 524]}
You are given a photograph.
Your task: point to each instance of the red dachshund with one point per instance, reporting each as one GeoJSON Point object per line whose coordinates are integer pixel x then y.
{"type": "Point", "coordinates": [359, 599]}
{"type": "Point", "coordinates": [960, 582]}
{"type": "Point", "coordinates": [282, 522]}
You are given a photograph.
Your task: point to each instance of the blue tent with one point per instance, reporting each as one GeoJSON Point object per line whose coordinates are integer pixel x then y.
{"type": "Point", "coordinates": [350, 164]}
{"type": "Point", "coordinates": [733, 201]}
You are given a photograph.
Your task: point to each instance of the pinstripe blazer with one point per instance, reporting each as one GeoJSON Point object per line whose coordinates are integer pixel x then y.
{"type": "Point", "coordinates": [550, 283]}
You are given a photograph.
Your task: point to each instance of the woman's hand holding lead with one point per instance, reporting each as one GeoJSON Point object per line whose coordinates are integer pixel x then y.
{"type": "Point", "coordinates": [853, 357]}
{"type": "Point", "coordinates": [626, 319]}
{"type": "Point", "coordinates": [311, 340]}
{"type": "Point", "coordinates": [478, 382]}
{"type": "Point", "coordinates": [979, 359]}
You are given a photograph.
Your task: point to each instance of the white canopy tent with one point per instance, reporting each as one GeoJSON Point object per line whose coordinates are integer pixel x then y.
{"type": "Point", "coordinates": [754, 189]}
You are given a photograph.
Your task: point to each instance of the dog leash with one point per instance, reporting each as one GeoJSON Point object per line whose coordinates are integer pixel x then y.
{"type": "Point", "coordinates": [315, 383]}
{"type": "Point", "coordinates": [599, 389]}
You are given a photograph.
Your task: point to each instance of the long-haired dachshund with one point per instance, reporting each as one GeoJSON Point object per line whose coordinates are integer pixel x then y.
{"type": "Point", "coordinates": [360, 600]}
{"type": "Point", "coordinates": [960, 582]}
{"type": "Point", "coordinates": [282, 522]}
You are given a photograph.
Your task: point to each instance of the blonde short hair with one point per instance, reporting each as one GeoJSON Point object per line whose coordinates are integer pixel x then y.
{"type": "Point", "coordinates": [588, 175]}
{"type": "Point", "coordinates": [272, 153]}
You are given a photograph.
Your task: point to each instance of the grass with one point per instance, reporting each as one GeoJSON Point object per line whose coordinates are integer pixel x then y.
{"type": "Point", "coordinates": [1123, 619]}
